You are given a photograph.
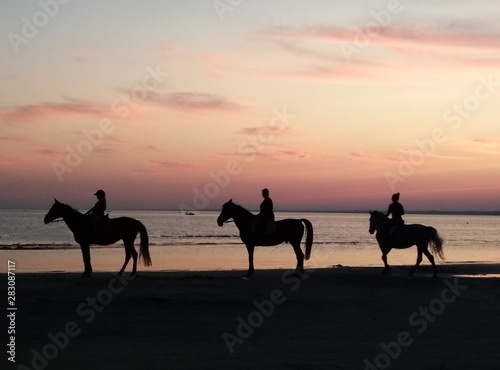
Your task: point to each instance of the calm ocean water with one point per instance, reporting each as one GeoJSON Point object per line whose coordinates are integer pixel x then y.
{"type": "Point", "coordinates": [180, 242]}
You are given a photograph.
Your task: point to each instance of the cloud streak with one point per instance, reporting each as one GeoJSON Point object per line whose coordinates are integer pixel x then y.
{"type": "Point", "coordinates": [389, 36]}
{"type": "Point", "coordinates": [333, 53]}
{"type": "Point", "coordinates": [193, 102]}
{"type": "Point", "coordinates": [265, 129]}
{"type": "Point", "coordinates": [34, 112]}
{"type": "Point", "coordinates": [173, 165]}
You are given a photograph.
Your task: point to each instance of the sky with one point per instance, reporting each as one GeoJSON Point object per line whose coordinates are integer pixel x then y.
{"type": "Point", "coordinates": [332, 105]}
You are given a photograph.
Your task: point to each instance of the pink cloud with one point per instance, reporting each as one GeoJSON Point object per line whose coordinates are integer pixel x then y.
{"type": "Point", "coordinates": [362, 155]}
{"type": "Point", "coordinates": [173, 165]}
{"type": "Point", "coordinates": [193, 101]}
{"type": "Point", "coordinates": [440, 39]}
{"type": "Point", "coordinates": [13, 161]}
{"type": "Point", "coordinates": [325, 73]}
{"type": "Point", "coordinates": [52, 153]}
{"type": "Point", "coordinates": [336, 53]}
{"type": "Point", "coordinates": [183, 101]}
{"type": "Point", "coordinates": [168, 167]}
{"type": "Point", "coordinates": [14, 139]}
{"type": "Point", "coordinates": [266, 130]}
{"type": "Point", "coordinates": [267, 152]}
{"type": "Point", "coordinates": [390, 35]}
{"type": "Point", "coordinates": [32, 112]}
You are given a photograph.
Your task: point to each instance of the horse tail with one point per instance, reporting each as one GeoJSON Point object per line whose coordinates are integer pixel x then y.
{"type": "Point", "coordinates": [309, 237]}
{"type": "Point", "coordinates": [144, 251]}
{"type": "Point", "coordinates": [436, 242]}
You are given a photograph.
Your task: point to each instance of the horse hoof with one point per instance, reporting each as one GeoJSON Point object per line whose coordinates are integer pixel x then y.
{"type": "Point", "coordinates": [85, 275]}
{"type": "Point", "coordinates": [301, 275]}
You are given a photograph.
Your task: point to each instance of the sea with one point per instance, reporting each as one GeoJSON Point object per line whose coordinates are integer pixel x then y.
{"type": "Point", "coordinates": [180, 242]}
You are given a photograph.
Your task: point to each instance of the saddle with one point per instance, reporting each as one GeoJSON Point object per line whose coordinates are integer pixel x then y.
{"type": "Point", "coordinates": [393, 229]}
{"type": "Point", "coordinates": [263, 230]}
{"type": "Point", "coordinates": [98, 224]}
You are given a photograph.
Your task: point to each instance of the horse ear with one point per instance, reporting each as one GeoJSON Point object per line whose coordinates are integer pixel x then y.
{"type": "Point", "coordinates": [55, 200]}
{"type": "Point", "coordinates": [230, 201]}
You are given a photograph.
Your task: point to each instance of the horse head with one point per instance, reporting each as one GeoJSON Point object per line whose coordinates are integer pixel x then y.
{"type": "Point", "coordinates": [55, 212]}
{"type": "Point", "coordinates": [376, 218]}
{"type": "Point", "coordinates": [226, 213]}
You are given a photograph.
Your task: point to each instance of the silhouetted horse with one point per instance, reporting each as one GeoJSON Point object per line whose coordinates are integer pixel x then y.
{"type": "Point", "coordinates": [404, 236]}
{"type": "Point", "coordinates": [108, 232]}
{"type": "Point", "coordinates": [287, 231]}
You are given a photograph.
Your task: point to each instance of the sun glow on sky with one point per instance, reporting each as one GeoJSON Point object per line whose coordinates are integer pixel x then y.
{"type": "Point", "coordinates": [185, 104]}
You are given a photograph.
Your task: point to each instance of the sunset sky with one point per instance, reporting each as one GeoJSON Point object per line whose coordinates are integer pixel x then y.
{"type": "Point", "coordinates": [332, 105]}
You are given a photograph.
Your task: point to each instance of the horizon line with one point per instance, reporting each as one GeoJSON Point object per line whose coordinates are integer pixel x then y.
{"type": "Point", "coordinates": [429, 212]}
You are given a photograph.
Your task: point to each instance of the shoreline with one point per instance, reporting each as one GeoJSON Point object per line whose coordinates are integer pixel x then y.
{"type": "Point", "coordinates": [232, 257]}
{"type": "Point", "coordinates": [333, 318]}
{"type": "Point", "coordinates": [354, 211]}
{"type": "Point", "coordinates": [445, 269]}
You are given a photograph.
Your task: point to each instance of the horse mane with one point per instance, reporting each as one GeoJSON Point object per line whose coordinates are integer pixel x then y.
{"type": "Point", "coordinates": [241, 207]}
{"type": "Point", "coordinates": [70, 208]}
{"type": "Point", "coordinates": [376, 213]}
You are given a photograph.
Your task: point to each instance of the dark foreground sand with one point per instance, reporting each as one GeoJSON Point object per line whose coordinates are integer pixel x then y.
{"type": "Point", "coordinates": [338, 318]}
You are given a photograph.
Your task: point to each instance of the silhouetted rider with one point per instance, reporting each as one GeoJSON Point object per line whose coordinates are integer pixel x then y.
{"type": "Point", "coordinates": [100, 207]}
{"type": "Point", "coordinates": [396, 210]}
{"type": "Point", "coordinates": [266, 214]}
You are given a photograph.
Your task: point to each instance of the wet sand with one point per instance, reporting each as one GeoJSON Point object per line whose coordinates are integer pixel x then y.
{"type": "Point", "coordinates": [336, 318]}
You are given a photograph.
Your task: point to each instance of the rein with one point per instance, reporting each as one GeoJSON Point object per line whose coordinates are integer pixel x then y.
{"type": "Point", "coordinates": [57, 220]}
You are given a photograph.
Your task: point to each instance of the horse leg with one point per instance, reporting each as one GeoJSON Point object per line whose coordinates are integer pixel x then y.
{"type": "Point", "coordinates": [86, 260]}
{"type": "Point", "coordinates": [430, 257]}
{"type": "Point", "coordinates": [419, 259]}
{"type": "Point", "coordinates": [250, 249]}
{"type": "Point", "coordinates": [387, 268]}
{"type": "Point", "coordinates": [300, 259]}
{"type": "Point", "coordinates": [134, 258]}
{"type": "Point", "coordinates": [128, 254]}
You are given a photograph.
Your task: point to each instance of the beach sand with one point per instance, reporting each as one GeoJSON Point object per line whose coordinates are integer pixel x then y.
{"type": "Point", "coordinates": [336, 318]}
